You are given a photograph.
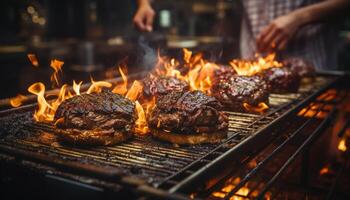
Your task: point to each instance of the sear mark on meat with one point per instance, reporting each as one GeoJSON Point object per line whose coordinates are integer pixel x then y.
{"type": "Point", "coordinates": [233, 92]}
{"type": "Point", "coordinates": [188, 112]}
{"type": "Point", "coordinates": [300, 66]}
{"type": "Point", "coordinates": [101, 119]}
{"type": "Point", "coordinates": [161, 85]}
{"type": "Point", "coordinates": [281, 80]}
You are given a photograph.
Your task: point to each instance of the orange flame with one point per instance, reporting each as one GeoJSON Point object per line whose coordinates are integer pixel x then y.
{"type": "Point", "coordinates": [261, 108]}
{"type": "Point", "coordinates": [96, 86]}
{"type": "Point", "coordinates": [141, 126]}
{"type": "Point", "coordinates": [250, 68]}
{"type": "Point", "coordinates": [18, 100]}
{"type": "Point", "coordinates": [42, 113]}
{"type": "Point", "coordinates": [342, 145]}
{"type": "Point", "coordinates": [32, 58]}
{"type": "Point", "coordinates": [134, 91]}
{"type": "Point", "coordinates": [56, 65]}
{"type": "Point", "coordinates": [324, 170]}
{"type": "Point", "coordinates": [121, 89]}
{"type": "Point", "coordinates": [199, 74]}
{"type": "Point", "coordinates": [76, 87]}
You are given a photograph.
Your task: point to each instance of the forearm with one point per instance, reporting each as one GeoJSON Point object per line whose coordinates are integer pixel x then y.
{"type": "Point", "coordinates": [320, 11]}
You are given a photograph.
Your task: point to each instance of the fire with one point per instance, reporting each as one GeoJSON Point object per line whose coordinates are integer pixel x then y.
{"type": "Point", "coordinates": [134, 91]}
{"type": "Point", "coordinates": [141, 126]}
{"type": "Point", "coordinates": [32, 58]}
{"type": "Point", "coordinates": [250, 68]}
{"type": "Point", "coordinates": [198, 73]}
{"type": "Point", "coordinates": [18, 100]}
{"type": "Point", "coordinates": [244, 191]}
{"type": "Point", "coordinates": [342, 145]}
{"type": "Point", "coordinates": [261, 108]}
{"type": "Point", "coordinates": [96, 86]}
{"type": "Point", "coordinates": [76, 87]}
{"type": "Point", "coordinates": [56, 65]}
{"type": "Point", "coordinates": [43, 112]}
{"type": "Point", "coordinates": [123, 88]}
{"type": "Point", "coordinates": [324, 170]}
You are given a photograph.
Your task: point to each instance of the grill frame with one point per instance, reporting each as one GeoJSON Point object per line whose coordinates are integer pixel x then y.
{"type": "Point", "coordinates": [178, 192]}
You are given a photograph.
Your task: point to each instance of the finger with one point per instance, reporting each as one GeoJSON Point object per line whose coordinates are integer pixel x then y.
{"type": "Point", "coordinates": [282, 45]}
{"type": "Point", "coordinates": [149, 22]}
{"type": "Point", "coordinates": [265, 32]}
{"type": "Point", "coordinates": [139, 23]}
{"type": "Point", "coordinates": [267, 41]}
{"type": "Point", "coordinates": [276, 40]}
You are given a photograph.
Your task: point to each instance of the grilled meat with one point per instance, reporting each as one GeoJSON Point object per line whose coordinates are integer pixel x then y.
{"type": "Point", "coordinates": [96, 119]}
{"type": "Point", "coordinates": [188, 118]}
{"type": "Point", "coordinates": [300, 66]}
{"type": "Point", "coordinates": [161, 85]}
{"type": "Point", "coordinates": [233, 92]}
{"type": "Point", "coordinates": [281, 80]}
{"type": "Point", "coordinates": [223, 73]}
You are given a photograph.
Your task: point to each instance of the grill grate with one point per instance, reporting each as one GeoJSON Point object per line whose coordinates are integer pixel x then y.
{"type": "Point", "coordinates": [160, 164]}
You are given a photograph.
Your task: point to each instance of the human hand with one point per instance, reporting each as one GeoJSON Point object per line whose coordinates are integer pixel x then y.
{"type": "Point", "coordinates": [143, 18]}
{"type": "Point", "coordinates": [278, 33]}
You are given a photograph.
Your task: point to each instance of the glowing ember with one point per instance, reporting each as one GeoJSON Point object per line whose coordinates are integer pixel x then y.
{"type": "Point", "coordinates": [134, 91]}
{"type": "Point", "coordinates": [250, 68]}
{"type": "Point", "coordinates": [76, 87]}
{"type": "Point", "coordinates": [96, 86]}
{"type": "Point", "coordinates": [56, 65]}
{"type": "Point", "coordinates": [244, 191]}
{"type": "Point", "coordinates": [32, 58]}
{"type": "Point", "coordinates": [18, 100]}
{"type": "Point", "coordinates": [261, 108]}
{"type": "Point", "coordinates": [324, 170]}
{"type": "Point", "coordinates": [342, 145]}
{"type": "Point", "coordinates": [121, 89]}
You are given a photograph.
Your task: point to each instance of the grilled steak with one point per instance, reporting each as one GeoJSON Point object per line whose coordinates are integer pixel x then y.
{"type": "Point", "coordinates": [233, 92]}
{"type": "Point", "coordinates": [300, 66]}
{"type": "Point", "coordinates": [161, 85]}
{"type": "Point", "coordinates": [188, 118]}
{"type": "Point", "coordinates": [223, 73]}
{"type": "Point", "coordinates": [281, 80]}
{"type": "Point", "coordinates": [96, 119]}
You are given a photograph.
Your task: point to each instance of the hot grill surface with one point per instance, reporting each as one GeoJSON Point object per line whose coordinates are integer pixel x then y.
{"type": "Point", "coordinates": [160, 164]}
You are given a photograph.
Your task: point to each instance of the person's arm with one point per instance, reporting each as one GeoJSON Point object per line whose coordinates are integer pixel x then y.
{"type": "Point", "coordinates": [143, 18]}
{"type": "Point", "coordinates": [279, 32]}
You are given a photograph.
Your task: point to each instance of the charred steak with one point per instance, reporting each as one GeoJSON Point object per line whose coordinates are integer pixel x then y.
{"type": "Point", "coordinates": [188, 118]}
{"type": "Point", "coordinates": [300, 66]}
{"type": "Point", "coordinates": [161, 85]}
{"type": "Point", "coordinates": [96, 119]}
{"type": "Point", "coordinates": [281, 80]}
{"type": "Point", "coordinates": [233, 92]}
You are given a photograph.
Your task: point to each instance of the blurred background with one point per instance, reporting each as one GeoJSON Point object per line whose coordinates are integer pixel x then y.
{"type": "Point", "coordinates": [93, 37]}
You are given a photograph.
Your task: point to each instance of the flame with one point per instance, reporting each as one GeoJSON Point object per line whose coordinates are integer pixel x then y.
{"type": "Point", "coordinates": [324, 170]}
{"type": "Point", "coordinates": [134, 91]}
{"type": "Point", "coordinates": [141, 126]}
{"type": "Point", "coordinates": [121, 89]}
{"type": "Point", "coordinates": [198, 73]}
{"type": "Point", "coordinates": [18, 100]}
{"type": "Point", "coordinates": [56, 65]}
{"type": "Point", "coordinates": [32, 58]}
{"type": "Point", "coordinates": [96, 86]}
{"type": "Point", "coordinates": [342, 145]}
{"type": "Point", "coordinates": [261, 108]}
{"type": "Point", "coordinates": [250, 68]}
{"type": "Point", "coordinates": [76, 87]}
{"type": "Point", "coordinates": [42, 113]}
{"type": "Point", "coordinates": [244, 191]}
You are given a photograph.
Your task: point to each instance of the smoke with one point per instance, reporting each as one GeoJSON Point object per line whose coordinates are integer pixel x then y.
{"type": "Point", "coordinates": [148, 54]}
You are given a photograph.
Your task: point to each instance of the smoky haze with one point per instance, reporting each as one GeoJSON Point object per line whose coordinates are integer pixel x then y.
{"type": "Point", "coordinates": [148, 55]}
